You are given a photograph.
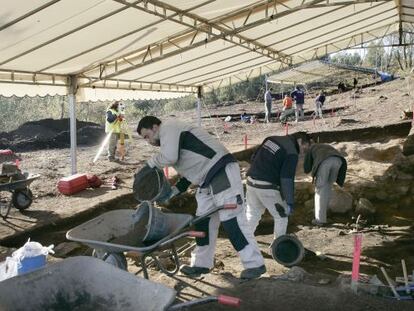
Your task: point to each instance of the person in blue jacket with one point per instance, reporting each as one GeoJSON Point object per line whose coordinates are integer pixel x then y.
{"type": "Point", "coordinates": [299, 99]}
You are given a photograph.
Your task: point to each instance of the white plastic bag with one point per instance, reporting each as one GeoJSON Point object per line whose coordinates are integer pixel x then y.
{"type": "Point", "coordinates": [32, 249]}
{"type": "Point", "coordinates": [9, 268]}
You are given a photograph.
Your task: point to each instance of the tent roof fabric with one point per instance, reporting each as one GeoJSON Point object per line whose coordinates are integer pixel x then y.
{"type": "Point", "coordinates": [177, 46]}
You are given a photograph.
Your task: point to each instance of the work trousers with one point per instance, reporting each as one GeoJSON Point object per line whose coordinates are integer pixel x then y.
{"type": "Point", "coordinates": [326, 175]}
{"type": "Point", "coordinates": [113, 142]}
{"type": "Point", "coordinates": [318, 109]}
{"type": "Point", "coordinates": [285, 114]}
{"type": "Point", "coordinates": [268, 111]}
{"type": "Point", "coordinates": [258, 200]}
{"type": "Point", "coordinates": [234, 222]}
{"type": "Point", "coordinates": [299, 113]}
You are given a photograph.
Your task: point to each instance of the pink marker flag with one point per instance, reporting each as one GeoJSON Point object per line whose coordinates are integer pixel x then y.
{"type": "Point", "coordinates": [356, 259]}
{"type": "Point", "coordinates": [166, 172]}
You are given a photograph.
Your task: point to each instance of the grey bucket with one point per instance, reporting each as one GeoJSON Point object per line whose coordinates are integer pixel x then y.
{"type": "Point", "coordinates": [287, 250]}
{"type": "Point", "coordinates": [158, 224]}
{"type": "Point", "coordinates": [150, 184]}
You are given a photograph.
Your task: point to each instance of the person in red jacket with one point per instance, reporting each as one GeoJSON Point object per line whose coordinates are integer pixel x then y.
{"type": "Point", "coordinates": [287, 109]}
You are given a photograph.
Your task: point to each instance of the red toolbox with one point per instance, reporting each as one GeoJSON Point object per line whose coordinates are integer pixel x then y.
{"type": "Point", "coordinates": [73, 184]}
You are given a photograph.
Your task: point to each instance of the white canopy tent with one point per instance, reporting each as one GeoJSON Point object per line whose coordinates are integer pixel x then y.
{"type": "Point", "coordinates": [315, 71]}
{"type": "Point", "coordinates": [116, 48]}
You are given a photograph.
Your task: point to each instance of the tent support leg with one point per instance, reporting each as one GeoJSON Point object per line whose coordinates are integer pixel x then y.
{"type": "Point", "coordinates": [72, 118]}
{"type": "Point", "coordinates": [199, 96]}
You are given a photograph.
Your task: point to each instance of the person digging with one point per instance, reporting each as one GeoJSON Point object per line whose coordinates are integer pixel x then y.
{"type": "Point", "coordinates": [271, 180]}
{"type": "Point", "coordinates": [203, 161]}
{"type": "Point", "coordinates": [327, 166]}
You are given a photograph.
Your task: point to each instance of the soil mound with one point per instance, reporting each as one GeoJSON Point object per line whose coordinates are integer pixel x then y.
{"type": "Point", "coordinates": [50, 133]}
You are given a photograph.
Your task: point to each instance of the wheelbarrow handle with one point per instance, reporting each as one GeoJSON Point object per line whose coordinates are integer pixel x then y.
{"type": "Point", "coordinates": [222, 299]}
{"type": "Point", "coordinates": [197, 234]}
{"type": "Point", "coordinates": [229, 206]}
{"type": "Point", "coordinates": [229, 301]}
{"type": "Point", "coordinates": [211, 212]}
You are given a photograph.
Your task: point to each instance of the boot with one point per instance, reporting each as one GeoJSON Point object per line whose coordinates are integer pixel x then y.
{"type": "Point", "coordinates": [193, 271]}
{"type": "Point", "coordinates": [252, 273]}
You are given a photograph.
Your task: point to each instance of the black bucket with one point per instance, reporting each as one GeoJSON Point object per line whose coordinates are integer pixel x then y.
{"type": "Point", "coordinates": [150, 184]}
{"type": "Point", "coordinates": [287, 250]}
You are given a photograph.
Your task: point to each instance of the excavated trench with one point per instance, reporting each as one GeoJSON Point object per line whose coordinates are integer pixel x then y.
{"type": "Point", "coordinates": [55, 233]}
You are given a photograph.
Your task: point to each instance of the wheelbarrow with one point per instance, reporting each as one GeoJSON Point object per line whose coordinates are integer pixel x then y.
{"type": "Point", "coordinates": [18, 186]}
{"type": "Point", "coordinates": [87, 283]}
{"type": "Point", "coordinates": [154, 236]}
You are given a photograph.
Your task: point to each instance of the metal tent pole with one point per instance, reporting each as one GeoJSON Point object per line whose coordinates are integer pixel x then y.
{"type": "Point", "coordinates": [72, 118]}
{"type": "Point", "coordinates": [199, 96]}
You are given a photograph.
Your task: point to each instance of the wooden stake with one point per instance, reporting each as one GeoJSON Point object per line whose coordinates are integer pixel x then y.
{"type": "Point", "coordinates": [390, 283]}
{"type": "Point", "coordinates": [407, 286]}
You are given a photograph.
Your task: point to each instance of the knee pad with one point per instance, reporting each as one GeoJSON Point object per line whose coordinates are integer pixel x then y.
{"type": "Point", "coordinates": [203, 226]}
{"type": "Point", "coordinates": [236, 236]}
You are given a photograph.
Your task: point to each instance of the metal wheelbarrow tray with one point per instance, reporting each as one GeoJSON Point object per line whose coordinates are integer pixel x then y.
{"type": "Point", "coordinates": [22, 196]}
{"type": "Point", "coordinates": [83, 283]}
{"type": "Point", "coordinates": [87, 283]}
{"type": "Point", "coordinates": [116, 232]}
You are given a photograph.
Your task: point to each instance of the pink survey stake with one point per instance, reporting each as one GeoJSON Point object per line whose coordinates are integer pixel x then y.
{"type": "Point", "coordinates": [357, 255]}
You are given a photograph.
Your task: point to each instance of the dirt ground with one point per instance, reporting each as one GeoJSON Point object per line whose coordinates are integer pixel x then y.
{"type": "Point", "coordinates": [388, 240]}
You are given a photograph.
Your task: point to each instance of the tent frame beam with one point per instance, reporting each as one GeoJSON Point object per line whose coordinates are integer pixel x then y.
{"type": "Point", "coordinates": [139, 57]}
{"type": "Point", "coordinates": [310, 39]}
{"type": "Point", "coordinates": [261, 37]}
{"type": "Point", "coordinates": [115, 39]}
{"type": "Point", "coordinates": [200, 24]}
{"type": "Point", "coordinates": [315, 55]}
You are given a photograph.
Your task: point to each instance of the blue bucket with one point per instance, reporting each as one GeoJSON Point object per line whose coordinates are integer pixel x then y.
{"type": "Point", "coordinates": [30, 264]}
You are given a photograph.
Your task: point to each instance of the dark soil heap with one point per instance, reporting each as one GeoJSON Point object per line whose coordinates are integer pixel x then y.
{"type": "Point", "coordinates": [50, 133]}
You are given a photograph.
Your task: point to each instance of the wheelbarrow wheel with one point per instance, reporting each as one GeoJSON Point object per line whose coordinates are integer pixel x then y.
{"type": "Point", "coordinates": [116, 259]}
{"type": "Point", "coordinates": [22, 199]}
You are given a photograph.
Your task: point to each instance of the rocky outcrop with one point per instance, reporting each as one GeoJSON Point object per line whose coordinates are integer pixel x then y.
{"type": "Point", "coordinates": [408, 147]}
{"type": "Point", "coordinates": [340, 202]}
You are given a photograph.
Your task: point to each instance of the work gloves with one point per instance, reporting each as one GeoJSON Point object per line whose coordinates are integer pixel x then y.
{"type": "Point", "coordinates": [180, 187]}
{"type": "Point", "coordinates": [284, 212]}
{"type": "Point", "coordinates": [166, 199]}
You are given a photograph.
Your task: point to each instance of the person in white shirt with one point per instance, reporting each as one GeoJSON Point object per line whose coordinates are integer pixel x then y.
{"type": "Point", "coordinates": [202, 160]}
